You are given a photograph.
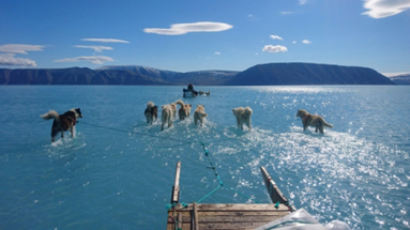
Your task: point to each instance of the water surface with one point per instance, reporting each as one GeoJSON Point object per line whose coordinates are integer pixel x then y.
{"type": "Point", "coordinates": [118, 172]}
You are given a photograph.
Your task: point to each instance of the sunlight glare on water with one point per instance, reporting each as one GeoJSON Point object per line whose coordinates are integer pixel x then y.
{"type": "Point", "coordinates": [118, 171]}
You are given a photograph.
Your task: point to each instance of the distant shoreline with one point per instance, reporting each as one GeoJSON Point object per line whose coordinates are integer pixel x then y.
{"type": "Point", "coordinates": [270, 74]}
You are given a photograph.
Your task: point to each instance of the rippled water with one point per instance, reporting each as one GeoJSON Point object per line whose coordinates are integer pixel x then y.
{"type": "Point", "coordinates": [118, 172]}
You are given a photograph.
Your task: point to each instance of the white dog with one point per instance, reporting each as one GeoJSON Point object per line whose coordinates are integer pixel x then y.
{"type": "Point", "coordinates": [173, 106]}
{"type": "Point", "coordinates": [199, 114]}
{"type": "Point", "coordinates": [243, 116]}
{"type": "Point", "coordinates": [167, 115]}
{"type": "Point", "coordinates": [184, 111]}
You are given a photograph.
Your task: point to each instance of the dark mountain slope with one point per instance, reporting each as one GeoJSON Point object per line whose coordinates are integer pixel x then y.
{"type": "Point", "coordinates": [307, 74]}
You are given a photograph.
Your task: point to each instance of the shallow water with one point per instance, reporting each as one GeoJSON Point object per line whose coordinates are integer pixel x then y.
{"type": "Point", "coordinates": [118, 172]}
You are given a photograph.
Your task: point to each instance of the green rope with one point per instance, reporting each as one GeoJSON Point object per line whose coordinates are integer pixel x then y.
{"type": "Point", "coordinates": [180, 141]}
{"type": "Point", "coordinates": [218, 178]}
{"type": "Point", "coordinates": [211, 166]}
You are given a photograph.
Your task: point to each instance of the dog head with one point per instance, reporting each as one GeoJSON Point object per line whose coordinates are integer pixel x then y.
{"type": "Point", "coordinates": [301, 113]}
{"type": "Point", "coordinates": [77, 112]}
{"type": "Point", "coordinates": [155, 109]}
{"type": "Point", "coordinates": [237, 110]}
{"type": "Point", "coordinates": [248, 111]}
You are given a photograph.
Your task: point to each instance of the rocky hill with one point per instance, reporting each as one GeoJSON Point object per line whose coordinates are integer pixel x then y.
{"type": "Point", "coordinates": [307, 74]}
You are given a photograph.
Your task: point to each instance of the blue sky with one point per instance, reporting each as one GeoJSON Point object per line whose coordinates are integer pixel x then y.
{"type": "Point", "coordinates": [205, 34]}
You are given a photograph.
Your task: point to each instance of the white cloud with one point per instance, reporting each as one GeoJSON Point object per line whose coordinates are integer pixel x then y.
{"type": "Point", "coordinates": [294, 42]}
{"type": "Point", "coordinates": [275, 37]}
{"type": "Point", "coordinates": [10, 60]}
{"type": "Point", "coordinates": [302, 2]}
{"type": "Point", "coordinates": [385, 8]}
{"type": "Point", "coordinates": [274, 49]}
{"type": "Point", "coordinates": [217, 53]}
{"type": "Point", "coordinates": [183, 28]}
{"type": "Point", "coordinates": [105, 40]}
{"type": "Point", "coordinates": [98, 60]}
{"type": "Point", "coordinates": [305, 41]}
{"type": "Point", "coordinates": [20, 48]}
{"type": "Point", "coordinates": [95, 48]}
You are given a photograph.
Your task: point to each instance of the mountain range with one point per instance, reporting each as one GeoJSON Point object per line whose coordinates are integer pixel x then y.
{"type": "Point", "coordinates": [401, 79]}
{"type": "Point", "coordinates": [264, 74]}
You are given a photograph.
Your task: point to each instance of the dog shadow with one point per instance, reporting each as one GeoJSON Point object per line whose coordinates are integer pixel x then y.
{"type": "Point", "coordinates": [239, 132]}
{"type": "Point", "coordinates": [309, 132]}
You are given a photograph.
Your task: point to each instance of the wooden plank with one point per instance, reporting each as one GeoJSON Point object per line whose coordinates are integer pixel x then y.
{"type": "Point", "coordinates": [237, 213]}
{"type": "Point", "coordinates": [179, 223]}
{"type": "Point", "coordinates": [230, 219]}
{"type": "Point", "coordinates": [238, 207]}
{"type": "Point", "coordinates": [274, 192]}
{"type": "Point", "coordinates": [175, 188]}
{"type": "Point", "coordinates": [195, 217]}
{"type": "Point", "coordinates": [225, 216]}
{"type": "Point", "coordinates": [233, 226]}
{"type": "Point", "coordinates": [171, 222]}
{"type": "Point", "coordinates": [186, 225]}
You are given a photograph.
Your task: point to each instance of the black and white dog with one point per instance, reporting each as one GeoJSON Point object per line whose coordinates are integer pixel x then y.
{"type": "Point", "coordinates": [151, 112]}
{"type": "Point", "coordinates": [63, 122]}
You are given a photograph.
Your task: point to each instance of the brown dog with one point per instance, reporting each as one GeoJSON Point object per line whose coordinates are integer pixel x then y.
{"type": "Point", "coordinates": [312, 120]}
{"type": "Point", "coordinates": [63, 122]}
{"type": "Point", "coordinates": [199, 115]}
{"type": "Point", "coordinates": [184, 111]}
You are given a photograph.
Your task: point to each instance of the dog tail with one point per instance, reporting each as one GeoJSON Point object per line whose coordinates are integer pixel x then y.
{"type": "Point", "coordinates": [52, 114]}
{"type": "Point", "coordinates": [180, 102]}
{"type": "Point", "coordinates": [150, 104]}
{"type": "Point", "coordinates": [327, 124]}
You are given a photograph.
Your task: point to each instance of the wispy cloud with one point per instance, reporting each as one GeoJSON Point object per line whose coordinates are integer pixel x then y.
{"type": "Point", "coordinates": [217, 53]}
{"type": "Point", "coordinates": [9, 51]}
{"type": "Point", "coordinates": [275, 37]}
{"type": "Point", "coordinates": [20, 48]}
{"type": "Point", "coordinates": [305, 41]}
{"type": "Point", "coordinates": [274, 49]}
{"type": "Point", "coordinates": [95, 48]}
{"type": "Point", "coordinates": [294, 42]}
{"type": "Point", "coordinates": [98, 60]}
{"type": "Point", "coordinates": [286, 12]}
{"type": "Point", "coordinates": [385, 8]}
{"type": "Point", "coordinates": [105, 40]}
{"type": "Point", "coordinates": [302, 2]}
{"type": "Point", "coordinates": [183, 28]}
{"type": "Point", "coordinates": [9, 59]}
